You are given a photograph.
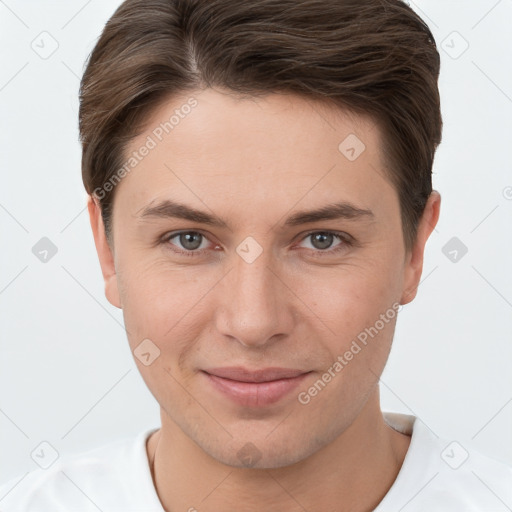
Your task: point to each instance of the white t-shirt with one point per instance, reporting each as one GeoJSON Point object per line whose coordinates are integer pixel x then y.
{"type": "Point", "coordinates": [436, 475]}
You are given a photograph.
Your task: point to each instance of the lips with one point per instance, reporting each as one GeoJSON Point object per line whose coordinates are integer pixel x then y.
{"type": "Point", "coordinates": [241, 374]}
{"type": "Point", "coordinates": [254, 388]}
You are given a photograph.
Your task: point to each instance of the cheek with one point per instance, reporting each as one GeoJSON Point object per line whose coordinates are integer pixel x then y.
{"type": "Point", "coordinates": [352, 296]}
{"type": "Point", "coordinates": [164, 307]}
{"type": "Point", "coordinates": [164, 304]}
{"type": "Point", "coordinates": [359, 307]}
{"type": "Point", "coordinates": [144, 293]}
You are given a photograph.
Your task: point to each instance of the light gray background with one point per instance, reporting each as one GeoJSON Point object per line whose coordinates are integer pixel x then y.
{"type": "Point", "coordinates": [67, 375]}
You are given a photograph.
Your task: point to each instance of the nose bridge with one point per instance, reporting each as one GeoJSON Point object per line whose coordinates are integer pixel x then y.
{"type": "Point", "coordinates": [253, 307]}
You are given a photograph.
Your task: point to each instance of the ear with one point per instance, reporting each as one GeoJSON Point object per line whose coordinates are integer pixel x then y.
{"type": "Point", "coordinates": [105, 253]}
{"type": "Point", "coordinates": [414, 258]}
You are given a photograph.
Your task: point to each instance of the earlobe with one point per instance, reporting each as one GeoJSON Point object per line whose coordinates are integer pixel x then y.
{"type": "Point", "coordinates": [414, 262]}
{"type": "Point", "coordinates": [105, 253]}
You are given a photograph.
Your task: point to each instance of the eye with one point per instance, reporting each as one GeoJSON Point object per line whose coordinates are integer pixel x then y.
{"type": "Point", "coordinates": [194, 243]}
{"type": "Point", "coordinates": [323, 240]}
{"type": "Point", "coordinates": [190, 241]}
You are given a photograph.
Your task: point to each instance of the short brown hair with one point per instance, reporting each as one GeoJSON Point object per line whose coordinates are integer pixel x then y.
{"type": "Point", "coordinates": [374, 57]}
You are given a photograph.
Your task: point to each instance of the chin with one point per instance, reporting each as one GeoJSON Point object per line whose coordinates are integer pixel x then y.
{"type": "Point", "coordinates": [260, 452]}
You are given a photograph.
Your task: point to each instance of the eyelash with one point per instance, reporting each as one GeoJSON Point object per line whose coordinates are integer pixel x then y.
{"type": "Point", "coordinates": [347, 240]}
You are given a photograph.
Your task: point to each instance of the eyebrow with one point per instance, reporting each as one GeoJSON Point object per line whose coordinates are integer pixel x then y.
{"type": "Point", "coordinates": [172, 209]}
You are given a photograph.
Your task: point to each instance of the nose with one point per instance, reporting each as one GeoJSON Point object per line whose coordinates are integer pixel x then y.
{"type": "Point", "coordinates": [255, 307]}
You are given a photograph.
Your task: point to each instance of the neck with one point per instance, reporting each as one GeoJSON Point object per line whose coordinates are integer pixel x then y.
{"type": "Point", "coordinates": [354, 472]}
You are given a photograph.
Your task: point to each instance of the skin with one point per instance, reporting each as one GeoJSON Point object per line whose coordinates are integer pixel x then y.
{"type": "Point", "coordinates": [254, 162]}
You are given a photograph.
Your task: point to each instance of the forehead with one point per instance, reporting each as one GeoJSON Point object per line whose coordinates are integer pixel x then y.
{"type": "Point", "coordinates": [279, 149]}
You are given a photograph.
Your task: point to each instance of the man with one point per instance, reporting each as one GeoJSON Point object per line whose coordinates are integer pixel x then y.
{"type": "Point", "coordinates": [260, 197]}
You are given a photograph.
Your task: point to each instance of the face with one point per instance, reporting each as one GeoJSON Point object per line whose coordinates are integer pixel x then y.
{"type": "Point", "coordinates": [253, 282]}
